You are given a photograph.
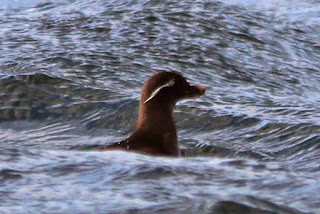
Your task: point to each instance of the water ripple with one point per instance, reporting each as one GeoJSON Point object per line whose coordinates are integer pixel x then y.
{"type": "Point", "coordinates": [71, 76]}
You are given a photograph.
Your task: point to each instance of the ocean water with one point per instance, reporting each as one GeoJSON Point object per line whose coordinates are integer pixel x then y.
{"type": "Point", "coordinates": [71, 74]}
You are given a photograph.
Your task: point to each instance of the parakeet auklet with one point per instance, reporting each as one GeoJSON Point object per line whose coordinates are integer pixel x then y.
{"type": "Point", "coordinates": [155, 132]}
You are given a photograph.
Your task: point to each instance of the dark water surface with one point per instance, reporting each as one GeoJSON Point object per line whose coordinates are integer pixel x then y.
{"type": "Point", "coordinates": [71, 74]}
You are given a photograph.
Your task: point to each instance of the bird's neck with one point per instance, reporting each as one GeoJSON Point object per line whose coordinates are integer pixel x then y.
{"type": "Point", "coordinates": [156, 118]}
{"type": "Point", "coordinates": [156, 131]}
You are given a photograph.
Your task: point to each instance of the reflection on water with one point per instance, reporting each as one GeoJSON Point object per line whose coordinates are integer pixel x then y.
{"type": "Point", "coordinates": [9, 4]}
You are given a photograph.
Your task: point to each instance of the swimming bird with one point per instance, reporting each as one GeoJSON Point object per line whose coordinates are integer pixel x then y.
{"type": "Point", "coordinates": [155, 132]}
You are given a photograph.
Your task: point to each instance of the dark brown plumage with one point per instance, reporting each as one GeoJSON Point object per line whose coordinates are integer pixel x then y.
{"type": "Point", "coordinates": [155, 133]}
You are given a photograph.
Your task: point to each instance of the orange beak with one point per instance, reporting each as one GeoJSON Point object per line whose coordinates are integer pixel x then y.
{"type": "Point", "coordinates": [201, 89]}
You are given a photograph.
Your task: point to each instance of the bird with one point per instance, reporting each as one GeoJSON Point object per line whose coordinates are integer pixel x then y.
{"type": "Point", "coordinates": [155, 133]}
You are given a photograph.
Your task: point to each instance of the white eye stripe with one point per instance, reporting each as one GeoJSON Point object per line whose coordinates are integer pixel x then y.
{"type": "Point", "coordinates": [168, 84]}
